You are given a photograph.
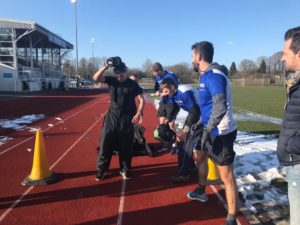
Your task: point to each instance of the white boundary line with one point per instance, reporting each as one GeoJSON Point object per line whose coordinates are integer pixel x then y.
{"type": "Point", "coordinates": [48, 128]}
{"type": "Point", "coordinates": [122, 200]}
{"type": "Point", "coordinates": [222, 200]}
{"type": "Point", "coordinates": [56, 162]}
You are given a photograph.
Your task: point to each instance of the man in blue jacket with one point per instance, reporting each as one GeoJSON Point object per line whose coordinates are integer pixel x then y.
{"type": "Point", "coordinates": [186, 99]}
{"type": "Point", "coordinates": [288, 148]}
{"type": "Point", "coordinates": [168, 109]}
{"type": "Point", "coordinates": [219, 131]}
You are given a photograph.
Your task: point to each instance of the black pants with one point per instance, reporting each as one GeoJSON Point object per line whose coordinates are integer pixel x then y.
{"type": "Point", "coordinates": [185, 150]}
{"type": "Point", "coordinates": [116, 135]}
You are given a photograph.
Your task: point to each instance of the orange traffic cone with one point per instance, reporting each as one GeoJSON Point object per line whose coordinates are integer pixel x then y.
{"type": "Point", "coordinates": [40, 173]}
{"type": "Point", "coordinates": [213, 173]}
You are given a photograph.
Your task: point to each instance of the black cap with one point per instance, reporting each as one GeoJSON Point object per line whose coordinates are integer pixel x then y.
{"type": "Point", "coordinates": [120, 68]}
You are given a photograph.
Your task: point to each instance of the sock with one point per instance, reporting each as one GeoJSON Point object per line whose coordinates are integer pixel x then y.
{"type": "Point", "coordinates": [201, 188]}
{"type": "Point", "coordinates": [231, 217]}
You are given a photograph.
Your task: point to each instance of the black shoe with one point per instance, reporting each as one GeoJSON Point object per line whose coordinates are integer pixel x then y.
{"type": "Point", "coordinates": [125, 174]}
{"type": "Point", "coordinates": [230, 222]}
{"type": "Point", "coordinates": [99, 175]}
{"type": "Point", "coordinates": [174, 150]}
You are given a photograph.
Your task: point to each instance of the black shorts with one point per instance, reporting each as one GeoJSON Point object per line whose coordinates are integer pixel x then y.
{"type": "Point", "coordinates": [168, 110]}
{"type": "Point", "coordinates": [220, 148]}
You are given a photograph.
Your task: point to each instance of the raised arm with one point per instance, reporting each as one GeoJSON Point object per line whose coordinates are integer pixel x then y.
{"type": "Point", "coordinates": [98, 75]}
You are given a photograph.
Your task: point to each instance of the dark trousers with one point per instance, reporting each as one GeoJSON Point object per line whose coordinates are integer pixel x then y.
{"type": "Point", "coordinates": [185, 160]}
{"type": "Point", "coordinates": [185, 150]}
{"type": "Point", "coordinates": [116, 135]}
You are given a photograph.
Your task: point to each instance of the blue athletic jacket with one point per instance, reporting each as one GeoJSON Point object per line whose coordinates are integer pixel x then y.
{"type": "Point", "coordinates": [216, 102]}
{"type": "Point", "coordinates": [186, 100]}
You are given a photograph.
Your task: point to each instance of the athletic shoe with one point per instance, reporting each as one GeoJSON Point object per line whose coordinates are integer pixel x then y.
{"type": "Point", "coordinates": [230, 222]}
{"type": "Point", "coordinates": [197, 195]}
{"type": "Point", "coordinates": [174, 150]}
{"type": "Point", "coordinates": [125, 174]}
{"type": "Point", "coordinates": [99, 175]}
{"type": "Point", "coordinates": [180, 179]}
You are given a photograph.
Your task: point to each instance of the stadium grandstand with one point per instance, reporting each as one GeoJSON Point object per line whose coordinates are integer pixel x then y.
{"type": "Point", "coordinates": [30, 57]}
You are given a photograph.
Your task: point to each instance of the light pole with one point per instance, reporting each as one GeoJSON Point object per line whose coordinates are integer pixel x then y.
{"type": "Point", "coordinates": [75, 4]}
{"type": "Point", "coordinates": [93, 62]}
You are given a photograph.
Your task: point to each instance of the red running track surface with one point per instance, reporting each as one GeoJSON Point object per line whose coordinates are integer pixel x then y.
{"type": "Point", "coordinates": [71, 131]}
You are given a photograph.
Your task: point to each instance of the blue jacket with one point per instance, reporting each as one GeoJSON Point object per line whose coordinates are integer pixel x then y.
{"type": "Point", "coordinates": [215, 102]}
{"type": "Point", "coordinates": [187, 101]}
{"type": "Point", "coordinates": [288, 146]}
{"type": "Point", "coordinates": [159, 79]}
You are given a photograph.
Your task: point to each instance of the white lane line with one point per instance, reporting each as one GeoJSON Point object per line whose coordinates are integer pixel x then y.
{"type": "Point", "coordinates": [122, 200]}
{"type": "Point", "coordinates": [222, 200]}
{"type": "Point", "coordinates": [48, 128]}
{"type": "Point", "coordinates": [6, 212]}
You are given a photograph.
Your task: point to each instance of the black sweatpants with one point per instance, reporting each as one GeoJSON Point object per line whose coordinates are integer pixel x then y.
{"type": "Point", "coordinates": [116, 135]}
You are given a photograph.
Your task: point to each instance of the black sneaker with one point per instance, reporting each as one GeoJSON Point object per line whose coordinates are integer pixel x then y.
{"type": "Point", "coordinates": [125, 174]}
{"type": "Point", "coordinates": [230, 222]}
{"type": "Point", "coordinates": [198, 195]}
{"type": "Point", "coordinates": [174, 150]}
{"type": "Point", "coordinates": [99, 175]}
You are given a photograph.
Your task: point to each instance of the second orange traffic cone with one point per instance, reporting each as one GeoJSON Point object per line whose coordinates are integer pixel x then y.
{"type": "Point", "coordinates": [213, 173]}
{"type": "Point", "coordinates": [40, 173]}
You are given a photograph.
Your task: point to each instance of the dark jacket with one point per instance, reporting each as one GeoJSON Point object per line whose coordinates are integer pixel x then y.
{"type": "Point", "coordinates": [288, 147]}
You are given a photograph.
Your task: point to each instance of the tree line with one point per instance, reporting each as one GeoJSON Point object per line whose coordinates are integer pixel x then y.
{"type": "Point", "coordinates": [264, 66]}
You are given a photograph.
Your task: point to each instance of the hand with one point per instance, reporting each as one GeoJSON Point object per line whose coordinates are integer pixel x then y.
{"type": "Point", "coordinates": [204, 139]}
{"type": "Point", "coordinates": [137, 118]}
{"type": "Point", "coordinates": [181, 135]}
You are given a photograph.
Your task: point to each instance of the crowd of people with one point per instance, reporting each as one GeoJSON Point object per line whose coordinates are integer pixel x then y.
{"type": "Point", "coordinates": [209, 130]}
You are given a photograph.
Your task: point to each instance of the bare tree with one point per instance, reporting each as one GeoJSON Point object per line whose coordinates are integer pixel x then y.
{"type": "Point", "coordinates": [275, 63]}
{"type": "Point", "coordinates": [183, 72]}
{"type": "Point", "coordinates": [247, 66]}
{"type": "Point", "coordinates": [147, 67]}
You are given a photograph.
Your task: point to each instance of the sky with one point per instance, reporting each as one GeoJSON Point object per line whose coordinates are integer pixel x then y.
{"type": "Point", "coordinates": [163, 30]}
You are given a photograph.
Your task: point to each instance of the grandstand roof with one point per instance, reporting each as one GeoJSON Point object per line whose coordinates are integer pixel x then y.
{"type": "Point", "coordinates": [41, 37]}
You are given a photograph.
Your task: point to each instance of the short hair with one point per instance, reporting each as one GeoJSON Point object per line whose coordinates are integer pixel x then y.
{"type": "Point", "coordinates": [168, 83]}
{"type": "Point", "coordinates": [294, 34]}
{"type": "Point", "coordinates": [157, 67]}
{"type": "Point", "coordinates": [206, 49]}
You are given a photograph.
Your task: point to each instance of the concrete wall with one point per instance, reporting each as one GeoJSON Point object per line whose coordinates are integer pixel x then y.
{"type": "Point", "coordinates": [9, 79]}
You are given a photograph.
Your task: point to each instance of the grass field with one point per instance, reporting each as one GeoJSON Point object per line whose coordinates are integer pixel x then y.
{"type": "Point", "coordinates": [263, 100]}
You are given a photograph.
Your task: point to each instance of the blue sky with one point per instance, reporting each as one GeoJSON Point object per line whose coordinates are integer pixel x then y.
{"type": "Point", "coordinates": [164, 30]}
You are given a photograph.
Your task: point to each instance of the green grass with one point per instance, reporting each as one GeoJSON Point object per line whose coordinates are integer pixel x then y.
{"type": "Point", "coordinates": [258, 127]}
{"type": "Point", "coordinates": [263, 100]}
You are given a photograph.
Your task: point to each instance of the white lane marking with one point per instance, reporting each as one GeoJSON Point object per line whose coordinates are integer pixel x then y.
{"type": "Point", "coordinates": [48, 128]}
{"type": "Point", "coordinates": [6, 212]}
{"type": "Point", "coordinates": [122, 200]}
{"type": "Point", "coordinates": [222, 200]}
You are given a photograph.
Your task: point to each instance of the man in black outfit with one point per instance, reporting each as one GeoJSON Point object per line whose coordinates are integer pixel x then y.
{"type": "Point", "coordinates": [117, 130]}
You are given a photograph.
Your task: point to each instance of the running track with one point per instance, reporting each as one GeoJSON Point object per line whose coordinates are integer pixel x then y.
{"type": "Point", "coordinates": [71, 133]}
